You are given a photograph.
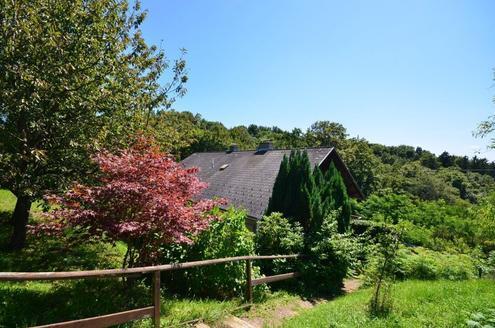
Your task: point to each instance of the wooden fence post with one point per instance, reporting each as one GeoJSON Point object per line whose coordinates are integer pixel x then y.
{"type": "Point", "coordinates": [249, 286]}
{"type": "Point", "coordinates": [156, 299]}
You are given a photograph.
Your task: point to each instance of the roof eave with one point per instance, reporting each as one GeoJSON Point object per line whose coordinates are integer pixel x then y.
{"type": "Point", "coordinates": [334, 155]}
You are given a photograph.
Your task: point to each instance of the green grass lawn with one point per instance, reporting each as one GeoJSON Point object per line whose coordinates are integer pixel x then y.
{"type": "Point", "coordinates": [7, 203]}
{"type": "Point", "coordinates": [415, 304]}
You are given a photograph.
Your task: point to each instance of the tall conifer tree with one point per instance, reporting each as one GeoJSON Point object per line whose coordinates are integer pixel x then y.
{"type": "Point", "coordinates": [308, 196]}
{"type": "Point", "coordinates": [277, 198]}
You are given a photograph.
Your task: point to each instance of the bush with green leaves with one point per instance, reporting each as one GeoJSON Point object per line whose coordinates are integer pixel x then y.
{"type": "Point", "coordinates": [329, 255]}
{"type": "Point", "coordinates": [226, 237]}
{"type": "Point", "coordinates": [383, 266]}
{"type": "Point", "coordinates": [421, 263]}
{"type": "Point", "coordinates": [277, 236]}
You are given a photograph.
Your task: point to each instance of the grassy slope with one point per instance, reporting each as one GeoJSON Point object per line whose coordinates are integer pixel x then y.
{"type": "Point", "coordinates": [416, 304]}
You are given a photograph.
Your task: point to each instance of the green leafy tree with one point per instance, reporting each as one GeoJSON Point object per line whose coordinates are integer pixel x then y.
{"type": "Point", "coordinates": [214, 136]}
{"type": "Point", "coordinates": [429, 160]}
{"type": "Point", "coordinates": [174, 131]}
{"type": "Point", "coordinates": [330, 255]}
{"type": "Point", "coordinates": [446, 159]}
{"type": "Point", "coordinates": [363, 164]}
{"type": "Point", "coordinates": [241, 137]}
{"type": "Point", "coordinates": [326, 134]}
{"type": "Point", "coordinates": [72, 73]}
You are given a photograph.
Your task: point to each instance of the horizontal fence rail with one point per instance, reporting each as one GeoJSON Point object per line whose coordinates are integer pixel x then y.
{"type": "Point", "coordinates": [150, 311]}
{"type": "Point", "coordinates": [29, 276]}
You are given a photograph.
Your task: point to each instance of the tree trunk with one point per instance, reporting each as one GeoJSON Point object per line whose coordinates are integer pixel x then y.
{"type": "Point", "coordinates": [19, 221]}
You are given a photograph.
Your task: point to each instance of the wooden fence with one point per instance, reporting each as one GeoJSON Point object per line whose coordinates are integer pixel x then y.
{"type": "Point", "coordinates": [152, 311]}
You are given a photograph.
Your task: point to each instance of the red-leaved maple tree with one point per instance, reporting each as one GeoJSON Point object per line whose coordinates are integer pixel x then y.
{"type": "Point", "coordinates": [143, 197]}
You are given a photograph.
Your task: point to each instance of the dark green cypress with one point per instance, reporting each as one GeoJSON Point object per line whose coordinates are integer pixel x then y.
{"type": "Point", "coordinates": [292, 187]}
{"type": "Point", "coordinates": [276, 201]}
{"type": "Point", "coordinates": [339, 196]}
{"type": "Point", "coordinates": [308, 196]}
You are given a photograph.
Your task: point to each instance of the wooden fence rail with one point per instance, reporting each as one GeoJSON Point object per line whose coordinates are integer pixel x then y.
{"type": "Point", "coordinates": [150, 311]}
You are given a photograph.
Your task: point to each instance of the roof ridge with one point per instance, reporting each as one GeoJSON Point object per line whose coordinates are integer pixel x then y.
{"type": "Point", "coordinates": [255, 150]}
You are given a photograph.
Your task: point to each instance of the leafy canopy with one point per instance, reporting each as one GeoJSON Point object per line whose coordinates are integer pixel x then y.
{"type": "Point", "coordinates": [71, 72]}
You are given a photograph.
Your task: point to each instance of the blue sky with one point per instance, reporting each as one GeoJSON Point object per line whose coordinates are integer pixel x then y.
{"type": "Point", "coordinates": [394, 72]}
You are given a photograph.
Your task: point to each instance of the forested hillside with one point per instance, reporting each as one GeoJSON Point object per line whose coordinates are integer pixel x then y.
{"type": "Point", "coordinates": [377, 168]}
{"type": "Point", "coordinates": [441, 201]}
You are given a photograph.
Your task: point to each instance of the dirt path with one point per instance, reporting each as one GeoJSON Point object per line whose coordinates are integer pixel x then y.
{"type": "Point", "coordinates": [276, 317]}
{"type": "Point", "coordinates": [351, 285]}
{"type": "Point", "coordinates": [279, 314]}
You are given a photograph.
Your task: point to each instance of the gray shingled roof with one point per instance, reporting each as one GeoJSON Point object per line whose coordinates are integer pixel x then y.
{"type": "Point", "coordinates": [248, 179]}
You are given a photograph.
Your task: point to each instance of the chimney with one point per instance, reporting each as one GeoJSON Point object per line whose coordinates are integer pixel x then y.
{"type": "Point", "coordinates": [265, 146]}
{"type": "Point", "coordinates": [233, 148]}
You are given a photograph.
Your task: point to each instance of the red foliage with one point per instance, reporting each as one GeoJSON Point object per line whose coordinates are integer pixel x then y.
{"type": "Point", "coordinates": [143, 198]}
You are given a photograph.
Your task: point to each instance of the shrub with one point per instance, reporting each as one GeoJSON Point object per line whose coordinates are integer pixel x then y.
{"type": "Point", "coordinates": [276, 235]}
{"type": "Point", "coordinates": [226, 237]}
{"type": "Point", "coordinates": [420, 263]}
{"type": "Point", "coordinates": [329, 256]}
{"type": "Point", "coordinates": [413, 234]}
{"type": "Point", "coordinates": [385, 265]}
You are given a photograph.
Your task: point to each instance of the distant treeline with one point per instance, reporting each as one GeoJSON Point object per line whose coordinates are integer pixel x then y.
{"type": "Point", "coordinates": [376, 168]}
{"type": "Point", "coordinates": [393, 154]}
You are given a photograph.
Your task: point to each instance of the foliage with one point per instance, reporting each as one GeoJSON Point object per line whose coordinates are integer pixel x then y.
{"type": "Point", "coordinates": [174, 131]}
{"type": "Point", "coordinates": [326, 134]}
{"type": "Point", "coordinates": [308, 197]}
{"type": "Point", "coordinates": [329, 255]}
{"type": "Point", "coordinates": [484, 319]}
{"type": "Point", "coordinates": [60, 253]}
{"type": "Point", "coordinates": [383, 267]}
{"type": "Point", "coordinates": [363, 164]}
{"type": "Point", "coordinates": [276, 235]}
{"type": "Point", "coordinates": [143, 198]}
{"type": "Point", "coordinates": [424, 264]}
{"type": "Point", "coordinates": [87, 63]}
{"type": "Point", "coordinates": [485, 223]}
{"type": "Point", "coordinates": [329, 193]}
{"type": "Point", "coordinates": [417, 304]}
{"type": "Point", "coordinates": [437, 225]}
{"type": "Point", "coordinates": [225, 237]}
{"type": "Point", "coordinates": [292, 189]}
{"type": "Point", "coordinates": [38, 303]}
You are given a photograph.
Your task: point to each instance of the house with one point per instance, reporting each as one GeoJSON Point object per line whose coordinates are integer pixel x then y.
{"type": "Point", "coordinates": [246, 178]}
